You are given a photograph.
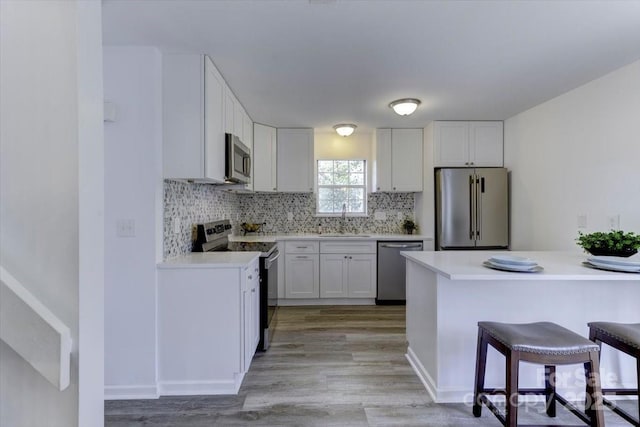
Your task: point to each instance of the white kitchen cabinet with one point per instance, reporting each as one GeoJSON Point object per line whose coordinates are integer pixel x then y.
{"type": "Point", "coordinates": [348, 269]}
{"type": "Point", "coordinates": [193, 118]}
{"type": "Point", "coordinates": [398, 162]}
{"type": "Point", "coordinates": [208, 327]}
{"type": "Point", "coordinates": [468, 144]}
{"type": "Point", "coordinates": [264, 158]}
{"type": "Point", "coordinates": [238, 122]}
{"type": "Point", "coordinates": [302, 269]}
{"type": "Point", "coordinates": [250, 314]}
{"type": "Point", "coordinates": [230, 110]}
{"type": "Point", "coordinates": [295, 160]}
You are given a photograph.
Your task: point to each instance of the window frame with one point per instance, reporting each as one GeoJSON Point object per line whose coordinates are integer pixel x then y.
{"type": "Point", "coordinates": [364, 186]}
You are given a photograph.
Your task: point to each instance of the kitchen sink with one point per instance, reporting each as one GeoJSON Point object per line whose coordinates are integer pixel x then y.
{"type": "Point", "coordinates": [343, 235]}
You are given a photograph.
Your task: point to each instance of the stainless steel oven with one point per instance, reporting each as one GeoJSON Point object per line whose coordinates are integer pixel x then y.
{"type": "Point", "coordinates": [212, 237]}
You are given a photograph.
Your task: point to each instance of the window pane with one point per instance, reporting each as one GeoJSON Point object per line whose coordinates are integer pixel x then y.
{"type": "Point", "coordinates": [341, 167]}
{"type": "Point", "coordinates": [325, 178]}
{"type": "Point", "coordinates": [356, 205]}
{"type": "Point", "coordinates": [325, 193]}
{"type": "Point", "coordinates": [326, 206]}
{"type": "Point", "coordinates": [356, 166]}
{"type": "Point", "coordinates": [356, 179]}
{"type": "Point", "coordinates": [325, 165]}
{"type": "Point", "coordinates": [356, 193]}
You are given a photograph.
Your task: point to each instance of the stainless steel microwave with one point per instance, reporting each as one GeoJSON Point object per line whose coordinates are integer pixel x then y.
{"type": "Point", "coordinates": [238, 160]}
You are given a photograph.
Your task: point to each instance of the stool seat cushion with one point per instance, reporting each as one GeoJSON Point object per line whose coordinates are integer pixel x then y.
{"type": "Point", "coordinates": [628, 333]}
{"type": "Point", "coordinates": [540, 337]}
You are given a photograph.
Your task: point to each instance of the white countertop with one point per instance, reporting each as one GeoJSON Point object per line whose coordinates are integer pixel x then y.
{"type": "Point", "coordinates": [467, 265]}
{"type": "Point", "coordinates": [314, 236]}
{"type": "Point", "coordinates": [211, 260]}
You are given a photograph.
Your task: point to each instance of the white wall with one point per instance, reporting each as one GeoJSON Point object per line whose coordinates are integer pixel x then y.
{"type": "Point", "coordinates": [133, 191]}
{"type": "Point", "coordinates": [43, 142]}
{"type": "Point", "coordinates": [576, 154]}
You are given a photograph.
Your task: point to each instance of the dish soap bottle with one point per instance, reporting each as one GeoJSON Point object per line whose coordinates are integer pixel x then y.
{"type": "Point", "coordinates": [319, 228]}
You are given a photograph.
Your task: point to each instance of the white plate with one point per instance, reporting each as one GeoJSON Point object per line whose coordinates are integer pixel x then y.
{"type": "Point", "coordinates": [512, 260]}
{"type": "Point", "coordinates": [513, 268]}
{"type": "Point", "coordinates": [614, 260]}
{"type": "Point", "coordinates": [612, 267]}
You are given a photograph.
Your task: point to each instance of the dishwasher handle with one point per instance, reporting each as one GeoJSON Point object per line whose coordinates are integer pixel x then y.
{"type": "Point", "coordinates": [401, 245]}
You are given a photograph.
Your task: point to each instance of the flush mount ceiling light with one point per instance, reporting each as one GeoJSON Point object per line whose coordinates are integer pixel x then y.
{"type": "Point", "coordinates": [345, 129]}
{"type": "Point", "coordinates": [405, 106]}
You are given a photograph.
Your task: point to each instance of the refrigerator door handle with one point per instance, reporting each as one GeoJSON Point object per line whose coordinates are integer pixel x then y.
{"type": "Point", "coordinates": [479, 191]}
{"type": "Point", "coordinates": [471, 208]}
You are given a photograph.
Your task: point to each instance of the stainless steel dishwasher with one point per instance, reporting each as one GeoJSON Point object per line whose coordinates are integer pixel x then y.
{"type": "Point", "coordinates": [392, 271]}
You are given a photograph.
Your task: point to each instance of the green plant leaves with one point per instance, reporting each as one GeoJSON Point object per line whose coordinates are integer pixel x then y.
{"type": "Point", "coordinates": [613, 240]}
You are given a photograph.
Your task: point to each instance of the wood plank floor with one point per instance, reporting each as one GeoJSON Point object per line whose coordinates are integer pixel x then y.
{"type": "Point", "coordinates": [327, 366]}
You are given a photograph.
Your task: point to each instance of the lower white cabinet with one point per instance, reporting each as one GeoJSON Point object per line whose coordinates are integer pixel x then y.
{"type": "Point", "coordinates": [348, 269]}
{"type": "Point", "coordinates": [208, 327]}
{"type": "Point", "coordinates": [302, 269]}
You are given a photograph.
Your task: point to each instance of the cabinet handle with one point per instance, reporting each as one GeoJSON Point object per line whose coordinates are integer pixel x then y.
{"type": "Point", "coordinates": [300, 256]}
{"type": "Point", "coordinates": [378, 188]}
{"type": "Point", "coordinates": [253, 291]}
{"type": "Point", "coordinates": [394, 188]}
{"type": "Point", "coordinates": [302, 247]}
{"type": "Point", "coordinates": [250, 277]}
{"type": "Point", "coordinates": [274, 188]}
{"type": "Point", "coordinates": [472, 163]}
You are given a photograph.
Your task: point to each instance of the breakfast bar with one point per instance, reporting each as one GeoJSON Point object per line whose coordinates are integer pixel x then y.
{"type": "Point", "coordinates": [448, 292]}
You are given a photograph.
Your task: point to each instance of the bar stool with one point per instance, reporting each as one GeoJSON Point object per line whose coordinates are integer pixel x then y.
{"type": "Point", "coordinates": [543, 343]}
{"type": "Point", "coordinates": [626, 338]}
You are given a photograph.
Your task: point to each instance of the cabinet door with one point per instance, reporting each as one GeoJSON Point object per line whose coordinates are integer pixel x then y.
{"type": "Point", "coordinates": [451, 144]}
{"type": "Point", "coordinates": [302, 276]}
{"type": "Point", "coordinates": [214, 85]}
{"type": "Point", "coordinates": [362, 276]}
{"type": "Point", "coordinates": [264, 158]}
{"type": "Point", "coordinates": [238, 121]}
{"type": "Point", "coordinates": [406, 159]}
{"type": "Point", "coordinates": [486, 144]}
{"type": "Point", "coordinates": [295, 160]}
{"type": "Point", "coordinates": [229, 110]}
{"type": "Point", "coordinates": [382, 166]}
{"type": "Point", "coordinates": [333, 276]}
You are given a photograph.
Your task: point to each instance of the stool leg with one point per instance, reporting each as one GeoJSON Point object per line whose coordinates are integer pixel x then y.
{"type": "Point", "coordinates": [550, 389]}
{"type": "Point", "coordinates": [481, 365]}
{"type": "Point", "coordinates": [512, 365]}
{"type": "Point", "coordinates": [594, 403]}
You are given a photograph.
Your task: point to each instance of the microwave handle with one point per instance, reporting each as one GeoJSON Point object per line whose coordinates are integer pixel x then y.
{"type": "Point", "coordinates": [247, 166]}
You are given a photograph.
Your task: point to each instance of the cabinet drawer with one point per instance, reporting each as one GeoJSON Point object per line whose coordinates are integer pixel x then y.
{"type": "Point", "coordinates": [348, 247]}
{"type": "Point", "coordinates": [301, 247]}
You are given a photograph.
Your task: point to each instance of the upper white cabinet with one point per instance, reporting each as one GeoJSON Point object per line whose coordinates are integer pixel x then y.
{"type": "Point", "coordinates": [398, 163]}
{"type": "Point", "coordinates": [295, 160]}
{"type": "Point", "coordinates": [264, 158]}
{"type": "Point", "coordinates": [193, 118]}
{"type": "Point", "coordinates": [468, 144]}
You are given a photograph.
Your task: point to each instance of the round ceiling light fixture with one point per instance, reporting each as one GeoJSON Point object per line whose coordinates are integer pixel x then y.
{"type": "Point", "coordinates": [405, 106]}
{"type": "Point", "coordinates": [345, 129]}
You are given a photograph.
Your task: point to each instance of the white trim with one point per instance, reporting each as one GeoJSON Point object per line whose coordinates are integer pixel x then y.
{"type": "Point", "coordinates": [128, 392]}
{"type": "Point", "coordinates": [327, 301]}
{"type": "Point", "coordinates": [187, 388]}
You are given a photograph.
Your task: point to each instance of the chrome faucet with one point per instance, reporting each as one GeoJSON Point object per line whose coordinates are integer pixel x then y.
{"type": "Point", "coordinates": [344, 217]}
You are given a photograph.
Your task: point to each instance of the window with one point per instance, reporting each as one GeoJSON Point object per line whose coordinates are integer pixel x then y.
{"type": "Point", "coordinates": [342, 183]}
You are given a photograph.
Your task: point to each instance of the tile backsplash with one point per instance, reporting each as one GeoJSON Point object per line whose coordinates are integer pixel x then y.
{"type": "Point", "coordinates": [197, 203]}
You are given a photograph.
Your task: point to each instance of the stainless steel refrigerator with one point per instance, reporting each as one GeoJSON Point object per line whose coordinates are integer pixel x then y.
{"type": "Point", "coordinates": [472, 208]}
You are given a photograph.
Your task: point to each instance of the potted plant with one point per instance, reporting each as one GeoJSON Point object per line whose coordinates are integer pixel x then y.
{"type": "Point", "coordinates": [614, 243]}
{"type": "Point", "coordinates": [409, 225]}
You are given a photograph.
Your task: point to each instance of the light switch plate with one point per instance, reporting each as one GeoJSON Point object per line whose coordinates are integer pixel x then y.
{"type": "Point", "coordinates": [176, 225]}
{"type": "Point", "coordinates": [126, 228]}
{"type": "Point", "coordinates": [613, 222]}
{"type": "Point", "coordinates": [582, 220]}
{"type": "Point", "coordinates": [290, 216]}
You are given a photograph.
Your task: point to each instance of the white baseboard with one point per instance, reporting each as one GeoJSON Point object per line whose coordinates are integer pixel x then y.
{"type": "Point", "coordinates": [186, 388]}
{"type": "Point", "coordinates": [327, 301]}
{"type": "Point", "coordinates": [438, 395]}
{"type": "Point", "coordinates": [129, 392]}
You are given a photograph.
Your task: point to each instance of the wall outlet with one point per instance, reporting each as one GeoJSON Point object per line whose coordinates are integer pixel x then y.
{"type": "Point", "coordinates": [126, 228]}
{"type": "Point", "coordinates": [176, 225]}
{"type": "Point", "coordinates": [613, 222]}
{"type": "Point", "coordinates": [400, 216]}
{"type": "Point", "coordinates": [582, 220]}
{"type": "Point", "coordinates": [380, 216]}
{"type": "Point", "coordinates": [290, 216]}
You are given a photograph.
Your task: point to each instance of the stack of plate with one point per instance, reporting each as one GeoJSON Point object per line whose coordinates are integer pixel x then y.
{"type": "Point", "coordinates": [513, 263]}
{"type": "Point", "coordinates": [614, 263]}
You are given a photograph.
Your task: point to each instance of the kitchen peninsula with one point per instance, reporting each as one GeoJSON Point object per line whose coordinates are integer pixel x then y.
{"type": "Point", "coordinates": [448, 292]}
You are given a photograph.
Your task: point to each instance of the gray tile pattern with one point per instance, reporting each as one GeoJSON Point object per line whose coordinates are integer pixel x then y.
{"type": "Point", "coordinates": [328, 366]}
{"type": "Point", "coordinates": [194, 203]}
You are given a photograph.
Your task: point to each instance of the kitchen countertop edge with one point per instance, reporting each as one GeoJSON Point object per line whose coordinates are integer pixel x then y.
{"type": "Point", "coordinates": [210, 260]}
{"type": "Point", "coordinates": [320, 237]}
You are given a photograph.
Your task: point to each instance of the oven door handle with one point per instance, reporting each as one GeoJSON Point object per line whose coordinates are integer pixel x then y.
{"type": "Point", "coordinates": [271, 259]}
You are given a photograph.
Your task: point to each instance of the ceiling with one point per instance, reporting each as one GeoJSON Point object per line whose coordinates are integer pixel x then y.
{"type": "Point", "coordinates": [315, 63]}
